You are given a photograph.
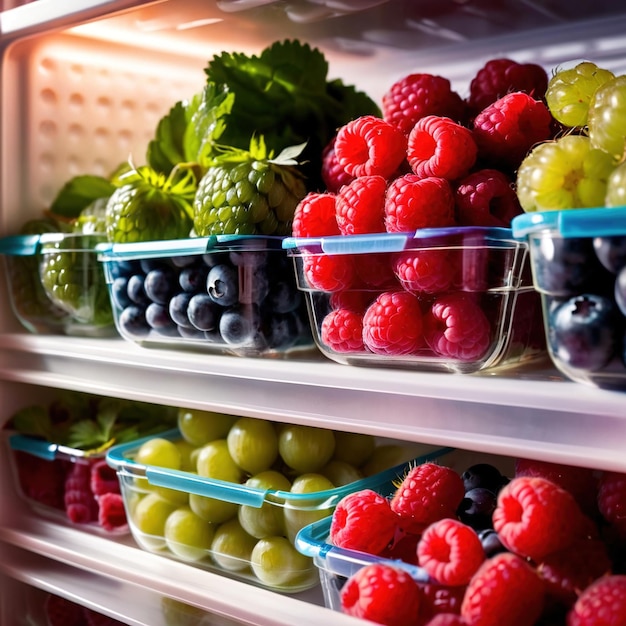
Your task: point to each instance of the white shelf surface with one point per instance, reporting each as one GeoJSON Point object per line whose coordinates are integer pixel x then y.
{"type": "Point", "coordinates": [532, 412]}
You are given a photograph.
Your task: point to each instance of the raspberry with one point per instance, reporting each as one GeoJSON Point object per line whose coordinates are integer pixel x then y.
{"type": "Point", "coordinates": [392, 324]}
{"type": "Point", "coordinates": [499, 77]}
{"type": "Point", "coordinates": [450, 552]}
{"type": "Point", "coordinates": [438, 146]}
{"type": "Point", "coordinates": [603, 603]}
{"type": "Point", "coordinates": [440, 600]}
{"type": "Point", "coordinates": [80, 505]}
{"type": "Point", "coordinates": [456, 327]}
{"type": "Point", "coordinates": [356, 301]}
{"type": "Point", "coordinates": [506, 130]}
{"type": "Point", "coordinates": [370, 146]}
{"type": "Point", "coordinates": [612, 500]}
{"type": "Point", "coordinates": [333, 174]}
{"type": "Point", "coordinates": [111, 512]}
{"type": "Point", "coordinates": [328, 272]}
{"type": "Point", "coordinates": [486, 198]}
{"type": "Point", "coordinates": [534, 517]}
{"type": "Point", "coordinates": [382, 594]}
{"type": "Point", "coordinates": [425, 271]}
{"type": "Point", "coordinates": [375, 271]}
{"type": "Point", "coordinates": [412, 202]}
{"type": "Point", "coordinates": [403, 547]}
{"type": "Point", "coordinates": [103, 479]}
{"type": "Point", "coordinates": [315, 216]}
{"type": "Point", "coordinates": [428, 493]}
{"type": "Point", "coordinates": [447, 619]}
{"type": "Point", "coordinates": [40, 480]}
{"type": "Point", "coordinates": [568, 571]}
{"type": "Point", "coordinates": [581, 482]}
{"type": "Point", "coordinates": [342, 331]}
{"type": "Point", "coordinates": [363, 521]}
{"type": "Point", "coordinates": [360, 206]}
{"type": "Point", "coordinates": [418, 95]}
{"type": "Point", "coordinates": [62, 612]}
{"type": "Point", "coordinates": [504, 590]}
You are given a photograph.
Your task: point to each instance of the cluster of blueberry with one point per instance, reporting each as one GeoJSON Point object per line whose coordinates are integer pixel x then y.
{"type": "Point", "coordinates": [238, 301]}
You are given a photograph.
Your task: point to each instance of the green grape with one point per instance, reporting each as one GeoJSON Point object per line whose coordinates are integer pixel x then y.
{"type": "Point", "coordinates": [200, 427]}
{"type": "Point", "coordinates": [232, 546]}
{"type": "Point", "coordinates": [570, 92]}
{"type": "Point", "coordinates": [616, 187]}
{"type": "Point", "coordinates": [187, 455]}
{"type": "Point", "coordinates": [302, 512]}
{"type": "Point", "coordinates": [276, 563]}
{"type": "Point", "coordinates": [354, 448]}
{"type": "Point", "coordinates": [212, 510]}
{"type": "Point", "coordinates": [567, 173]}
{"type": "Point", "coordinates": [341, 473]}
{"type": "Point", "coordinates": [607, 118]}
{"type": "Point", "coordinates": [188, 536]}
{"type": "Point", "coordinates": [149, 517]}
{"type": "Point", "coordinates": [161, 452]}
{"type": "Point", "coordinates": [253, 444]}
{"type": "Point", "coordinates": [214, 461]}
{"type": "Point", "coordinates": [267, 519]}
{"type": "Point", "coordinates": [386, 456]}
{"type": "Point", "coordinates": [305, 448]}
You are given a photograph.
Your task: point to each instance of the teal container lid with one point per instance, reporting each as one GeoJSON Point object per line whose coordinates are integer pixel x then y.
{"type": "Point", "coordinates": [594, 222]}
{"type": "Point", "coordinates": [20, 245]}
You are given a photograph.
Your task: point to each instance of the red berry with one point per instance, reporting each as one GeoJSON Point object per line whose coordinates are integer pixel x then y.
{"type": "Point", "coordinates": [413, 202]}
{"type": "Point", "coordinates": [506, 130]}
{"type": "Point", "coordinates": [40, 480]}
{"type": "Point", "coordinates": [370, 146]}
{"type": "Point", "coordinates": [440, 600]}
{"type": "Point", "coordinates": [111, 511]}
{"type": "Point", "coordinates": [342, 331]}
{"type": "Point", "coordinates": [363, 521]}
{"type": "Point", "coordinates": [392, 324]}
{"type": "Point", "coordinates": [504, 590]}
{"type": "Point", "coordinates": [456, 327]}
{"type": "Point", "coordinates": [447, 619]}
{"type": "Point", "coordinates": [375, 271]}
{"type": "Point", "coordinates": [333, 174]}
{"type": "Point", "coordinates": [355, 300]}
{"type": "Point", "coordinates": [603, 603]}
{"type": "Point", "coordinates": [438, 146]}
{"type": "Point", "coordinates": [534, 517]}
{"type": "Point", "coordinates": [315, 216]}
{"type": "Point", "coordinates": [328, 272]}
{"type": "Point", "coordinates": [403, 547]}
{"type": "Point", "coordinates": [103, 479]}
{"type": "Point", "coordinates": [450, 552]}
{"type": "Point", "coordinates": [428, 493]}
{"type": "Point", "coordinates": [360, 206]}
{"type": "Point", "coordinates": [93, 618]}
{"type": "Point", "coordinates": [612, 500]}
{"type": "Point", "coordinates": [417, 95]}
{"type": "Point", "coordinates": [501, 76]}
{"type": "Point", "coordinates": [62, 612]}
{"type": "Point", "coordinates": [431, 270]}
{"type": "Point", "coordinates": [80, 504]}
{"type": "Point", "coordinates": [381, 594]}
{"type": "Point", "coordinates": [486, 198]}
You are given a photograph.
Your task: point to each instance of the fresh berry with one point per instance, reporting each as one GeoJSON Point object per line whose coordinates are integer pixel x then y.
{"type": "Point", "coordinates": [507, 129]}
{"type": "Point", "coordinates": [370, 146]}
{"type": "Point", "coordinates": [417, 95]}
{"type": "Point", "coordinates": [93, 618]}
{"type": "Point", "coordinates": [342, 331]}
{"type": "Point", "coordinates": [612, 500]}
{"type": "Point", "coordinates": [333, 174]}
{"type": "Point", "coordinates": [606, 120]}
{"type": "Point", "coordinates": [456, 327]}
{"type": "Point", "coordinates": [315, 216]}
{"type": "Point", "coordinates": [375, 271]}
{"type": "Point", "coordinates": [360, 206]}
{"type": "Point", "coordinates": [447, 619]}
{"type": "Point", "coordinates": [80, 505]}
{"type": "Point", "coordinates": [611, 252]}
{"type": "Point", "coordinates": [484, 475]}
{"type": "Point", "coordinates": [103, 478]}
{"type": "Point", "coordinates": [491, 542]}
{"type": "Point", "coordinates": [535, 517]}
{"type": "Point", "coordinates": [477, 507]}
{"type": "Point", "coordinates": [603, 603]}
{"type": "Point", "coordinates": [328, 272]}
{"type": "Point", "coordinates": [40, 480]}
{"type": "Point", "coordinates": [431, 270]}
{"type": "Point", "coordinates": [111, 511]}
{"type": "Point", "coordinates": [450, 552]}
{"type": "Point", "coordinates": [363, 521]}
{"type": "Point", "coordinates": [438, 146]}
{"type": "Point", "coordinates": [412, 202]}
{"type": "Point", "coordinates": [62, 612]}
{"type": "Point", "coordinates": [403, 547]}
{"type": "Point", "coordinates": [499, 77]}
{"type": "Point", "coordinates": [381, 594]}
{"type": "Point", "coordinates": [428, 493]}
{"type": "Point", "coordinates": [440, 600]}
{"type": "Point", "coordinates": [486, 198]}
{"type": "Point", "coordinates": [504, 590]}
{"type": "Point", "coordinates": [354, 300]}
{"type": "Point", "coordinates": [392, 324]}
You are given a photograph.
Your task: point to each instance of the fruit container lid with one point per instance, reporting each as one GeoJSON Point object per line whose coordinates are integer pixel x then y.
{"type": "Point", "coordinates": [120, 458]}
{"type": "Point", "coordinates": [592, 222]}
{"type": "Point", "coordinates": [31, 245]}
{"type": "Point", "coordinates": [47, 450]}
{"type": "Point", "coordinates": [397, 242]}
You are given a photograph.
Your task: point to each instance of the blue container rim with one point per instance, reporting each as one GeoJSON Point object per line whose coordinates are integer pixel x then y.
{"type": "Point", "coordinates": [30, 245]}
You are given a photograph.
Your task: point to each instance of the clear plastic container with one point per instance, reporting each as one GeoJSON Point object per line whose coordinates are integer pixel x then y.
{"type": "Point", "coordinates": [56, 284]}
{"type": "Point", "coordinates": [440, 299]}
{"type": "Point", "coordinates": [230, 294]}
{"type": "Point", "coordinates": [578, 260]}
{"type": "Point", "coordinates": [146, 488]}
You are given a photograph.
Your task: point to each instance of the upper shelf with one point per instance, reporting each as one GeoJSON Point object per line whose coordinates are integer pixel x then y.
{"type": "Point", "coordinates": [532, 413]}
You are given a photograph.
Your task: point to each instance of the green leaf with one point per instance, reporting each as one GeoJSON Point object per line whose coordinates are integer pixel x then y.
{"type": "Point", "coordinates": [167, 148]}
{"type": "Point", "coordinates": [78, 193]}
{"type": "Point", "coordinates": [34, 421]}
{"type": "Point", "coordinates": [85, 434]}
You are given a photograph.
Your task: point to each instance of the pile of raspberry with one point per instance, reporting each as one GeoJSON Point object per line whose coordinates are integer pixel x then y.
{"type": "Point", "coordinates": [545, 549]}
{"type": "Point", "coordinates": [86, 490]}
{"type": "Point", "coordinates": [433, 160]}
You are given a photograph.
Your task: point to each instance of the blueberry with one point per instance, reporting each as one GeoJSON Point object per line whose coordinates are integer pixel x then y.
{"type": "Point", "coordinates": [158, 318]}
{"type": "Point", "coordinates": [184, 261]}
{"type": "Point", "coordinates": [283, 297]}
{"type": "Point", "coordinates": [132, 321]}
{"type": "Point", "coordinates": [284, 330]}
{"type": "Point", "coordinates": [223, 285]}
{"type": "Point", "coordinates": [124, 268]}
{"type": "Point", "coordinates": [583, 332]}
{"type": "Point", "coordinates": [620, 290]}
{"type": "Point", "coordinates": [119, 292]}
{"type": "Point", "coordinates": [254, 285]}
{"type": "Point", "coordinates": [160, 284]}
{"type": "Point", "coordinates": [491, 542]}
{"type": "Point", "coordinates": [248, 258]}
{"type": "Point", "coordinates": [136, 290]}
{"type": "Point", "coordinates": [191, 333]}
{"type": "Point", "coordinates": [482, 475]}
{"type": "Point", "coordinates": [178, 309]}
{"type": "Point", "coordinates": [203, 313]}
{"type": "Point", "coordinates": [193, 278]}
{"type": "Point", "coordinates": [148, 265]}
{"type": "Point", "coordinates": [477, 507]}
{"type": "Point", "coordinates": [611, 252]}
{"type": "Point", "coordinates": [241, 326]}
{"type": "Point", "coordinates": [211, 259]}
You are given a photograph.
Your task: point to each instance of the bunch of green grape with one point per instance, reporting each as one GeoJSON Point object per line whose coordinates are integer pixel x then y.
{"type": "Point", "coordinates": [583, 167]}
